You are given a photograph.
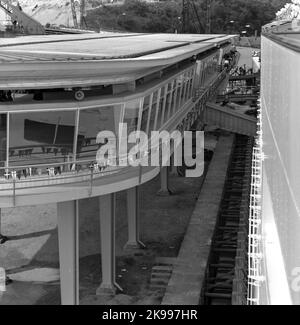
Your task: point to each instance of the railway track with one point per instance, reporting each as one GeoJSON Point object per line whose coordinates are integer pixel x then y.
{"type": "Point", "coordinates": [226, 274]}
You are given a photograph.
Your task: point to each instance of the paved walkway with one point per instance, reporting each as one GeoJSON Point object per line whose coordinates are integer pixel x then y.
{"type": "Point", "coordinates": [184, 287]}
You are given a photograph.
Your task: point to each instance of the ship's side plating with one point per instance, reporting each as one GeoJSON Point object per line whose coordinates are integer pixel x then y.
{"type": "Point", "coordinates": [280, 97]}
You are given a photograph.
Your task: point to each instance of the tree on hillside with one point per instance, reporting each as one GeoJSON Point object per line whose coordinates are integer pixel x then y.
{"type": "Point", "coordinates": [228, 16]}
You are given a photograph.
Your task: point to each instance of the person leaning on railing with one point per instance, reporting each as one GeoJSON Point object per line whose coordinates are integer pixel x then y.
{"type": "Point", "coordinates": [6, 96]}
{"type": "Point", "coordinates": [226, 64]}
{"type": "Point", "coordinates": [52, 171]}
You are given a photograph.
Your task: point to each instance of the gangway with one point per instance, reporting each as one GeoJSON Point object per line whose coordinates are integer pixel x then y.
{"type": "Point", "coordinates": [244, 77]}
{"type": "Point", "coordinates": [22, 23]}
{"type": "Point", "coordinates": [238, 97]}
{"type": "Point", "coordinates": [230, 120]}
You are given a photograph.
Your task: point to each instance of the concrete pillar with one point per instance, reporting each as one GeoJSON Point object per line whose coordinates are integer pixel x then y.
{"type": "Point", "coordinates": [164, 182]}
{"type": "Point", "coordinates": [108, 253]}
{"type": "Point", "coordinates": [173, 168]}
{"type": "Point", "coordinates": [133, 219]}
{"type": "Point", "coordinates": [3, 239]}
{"type": "Point", "coordinates": [68, 239]}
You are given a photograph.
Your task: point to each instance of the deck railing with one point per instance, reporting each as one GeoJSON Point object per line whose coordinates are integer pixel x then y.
{"type": "Point", "coordinates": [255, 222]}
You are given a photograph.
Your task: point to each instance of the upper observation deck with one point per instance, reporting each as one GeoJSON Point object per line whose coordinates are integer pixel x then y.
{"type": "Point", "coordinates": [90, 59]}
{"type": "Point", "coordinates": [57, 93]}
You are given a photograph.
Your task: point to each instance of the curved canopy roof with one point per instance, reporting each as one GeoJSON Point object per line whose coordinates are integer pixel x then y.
{"type": "Point", "coordinates": [87, 59]}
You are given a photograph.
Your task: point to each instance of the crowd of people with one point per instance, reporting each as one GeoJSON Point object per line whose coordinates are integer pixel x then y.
{"type": "Point", "coordinates": [52, 171]}
{"type": "Point", "coordinates": [6, 96]}
{"type": "Point", "coordinates": [229, 57]}
{"type": "Point", "coordinates": [242, 71]}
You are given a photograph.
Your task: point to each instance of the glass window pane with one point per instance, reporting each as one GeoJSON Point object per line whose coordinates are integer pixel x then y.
{"type": "Point", "coordinates": [191, 84]}
{"type": "Point", "coordinates": [175, 99]}
{"type": "Point", "coordinates": [162, 105]}
{"type": "Point", "coordinates": [169, 102]}
{"type": "Point", "coordinates": [173, 93]}
{"type": "Point", "coordinates": [145, 113]}
{"type": "Point", "coordinates": [180, 85]}
{"type": "Point", "coordinates": [91, 122]}
{"type": "Point", "coordinates": [3, 139]}
{"type": "Point", "coordinates": [131, 118]}
{"type": "Point", "coordinates": [201, 75]}
{"type": "Point", "coordinates": [204, 74]}
{"type": "Point", "coordinates": [41, 138]}
{"type": "Point", "coordinates": [131, 115]}
{"type": "Point", "coordinates": [185, 84]}
{"type": "Point", "coordinates": [155, 102]}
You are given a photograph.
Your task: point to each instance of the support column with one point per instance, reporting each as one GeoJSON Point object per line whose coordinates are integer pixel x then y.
{"type": "Point", "coordinates": [220, 60]}
{"type": "Point", "coordinates": [3, 239]}
{"type": "Point", "coordinates": [133, 219]}
{"type": "Point", "coordinates": [173, 168]}
{"type": "Point", "coordinates": [107, 205]}
{"type": "Point", "coordinates": [68, 239]}
{"type": "Point", "coordinates": [164, 182]}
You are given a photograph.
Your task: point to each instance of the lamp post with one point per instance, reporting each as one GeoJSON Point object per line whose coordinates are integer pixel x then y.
{"type": "Point", "coordinates": [178, 25]}
{"type": "Point", "coordinates": [121, 15]}
{"type": "Point", "coordinates": [231, 25]}
{"type": "Point", "coordinates": [248, 26]}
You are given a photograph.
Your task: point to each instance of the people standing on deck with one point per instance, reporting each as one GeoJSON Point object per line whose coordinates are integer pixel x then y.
{"type": "Point", "coordinates": [233, 50]}
{"type": "Point", "coordinates": [229, 58]}
{"type": "Point", "coordinates": [242, 71]}
{"type": "Point", "coordinates": [226, 64]}
{"type": "Point", "coordinates": [6, 96]}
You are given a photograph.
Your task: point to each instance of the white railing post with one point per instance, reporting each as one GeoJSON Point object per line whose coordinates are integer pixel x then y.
{"type": "Point", "coordinates": [255, 222]}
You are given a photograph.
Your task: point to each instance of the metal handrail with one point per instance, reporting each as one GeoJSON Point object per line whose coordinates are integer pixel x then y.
{"type": "Point", "coordinates": [58, 164]}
